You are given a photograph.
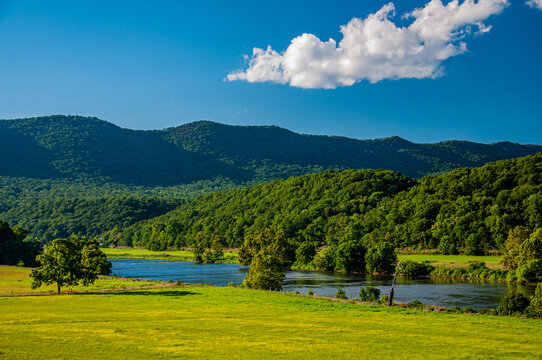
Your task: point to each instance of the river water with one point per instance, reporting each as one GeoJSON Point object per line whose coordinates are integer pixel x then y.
{"type": "Point", "coordinates": [443, 292]}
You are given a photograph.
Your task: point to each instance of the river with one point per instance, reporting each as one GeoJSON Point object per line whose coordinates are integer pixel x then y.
{"type": "Point", "coordinates": [443, 292]}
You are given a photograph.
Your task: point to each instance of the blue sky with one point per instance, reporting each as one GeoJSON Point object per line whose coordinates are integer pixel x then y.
{"type": "Point", "coordinates": [151, 65]}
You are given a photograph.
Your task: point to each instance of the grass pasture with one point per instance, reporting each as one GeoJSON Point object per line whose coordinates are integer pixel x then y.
{"type": "Point", "coordinates": [220, 322]}
{"type": "Point", "coordinates": [492, 262]}
{"type": "Point", "coordinates": [230, 256]}
{"type": "Point", "coordinates": [16, 280]}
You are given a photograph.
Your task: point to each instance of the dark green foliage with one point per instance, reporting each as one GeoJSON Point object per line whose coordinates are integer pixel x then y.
{"type": "Point", "coordinates": [15, 249]}
{"type": "Point", "coordinates": [536, 302]}
{"type": "Point", "coordinates": [66, 262]}
{"type": "Point", "coordinates": [266, 272]}
{"type": "Point", "coordinates": [341, 294]}
{"type": "Point", "coordinates": [350, 256]}
{"type": "Point", "coordinates": [412, 268]}
{"type": "Point", "coordinates": [369, 293]}
{"type": "Point", "coordinates": [381, 258]}
{"type": "Point", "coordinates": [50, 219]}
{"type": "Point", "coordinates": [305, 252]}
{"type": "Point", "coordinates": [314, 208]}
{"type": "Point", "coordinates": [465, 210]}
{"type": "Point", "coordinates": [513, 302]}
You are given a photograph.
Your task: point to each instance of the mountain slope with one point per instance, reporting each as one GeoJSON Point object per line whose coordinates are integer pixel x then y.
{"type": "Point", "coordinates": [74, 147]}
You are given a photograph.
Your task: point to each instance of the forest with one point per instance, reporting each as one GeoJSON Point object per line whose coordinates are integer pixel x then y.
{"type": "Point", "coordinates": [469, 211]}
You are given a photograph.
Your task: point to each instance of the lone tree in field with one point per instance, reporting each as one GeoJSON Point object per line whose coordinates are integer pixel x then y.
{"type": "Point", "coordinates": [66, 262]}
{"type": "Point", "coordinates": [266, 272]}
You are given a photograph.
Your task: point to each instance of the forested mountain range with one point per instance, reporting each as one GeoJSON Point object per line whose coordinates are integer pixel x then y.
{"type": "Point", "coordinates": [60, 147]}
{"type": "Point", "coordinates": [467, 210]}
{"type": "Point", "coordinates": [69, 174]}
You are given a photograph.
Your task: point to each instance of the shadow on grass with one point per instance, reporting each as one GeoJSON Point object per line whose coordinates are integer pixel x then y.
{"type": "Point", "coordinates": [171, 293]}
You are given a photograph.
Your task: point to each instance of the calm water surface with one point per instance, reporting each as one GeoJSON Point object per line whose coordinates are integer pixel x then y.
{"type": "Point", "coordinates": [444, 292]}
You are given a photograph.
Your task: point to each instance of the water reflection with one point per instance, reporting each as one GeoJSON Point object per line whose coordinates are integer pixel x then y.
{"type": "Point", "coordinates": [444, 292]}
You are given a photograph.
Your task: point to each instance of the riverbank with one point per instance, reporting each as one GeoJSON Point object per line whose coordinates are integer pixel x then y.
{"type": "Point", "coordinates": [223, 322]}
{"type": "Point", "coordinates": [230, 257]}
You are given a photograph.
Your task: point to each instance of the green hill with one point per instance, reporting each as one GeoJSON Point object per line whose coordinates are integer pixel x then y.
{"type": "Point", "coordinates": [469, 210]}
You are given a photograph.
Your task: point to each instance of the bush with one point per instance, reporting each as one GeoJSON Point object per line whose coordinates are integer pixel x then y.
{"type": "Point", "coordinates": [412, 268]}
{"type": "Point", "coordinates": [512, 303]}
{"type": "Point", "coordinates": [369, 293]}
{"type": "Point", "coordinates": [309, 292]}
{"type": "Point", "coordinates": [416, 304]}
{"type": "Point", "coordinates": [530, 272]}
{"type": "Point", "coordinates": [341, 294]}
{"type": "Point", "coordinates": [325, 259]}
{"type": "Point", "coordinates": [381, 258]}
{"type": "Point", "coordinates": [536, 302]}
{"type": "Point", "coordinates": [350, 256]}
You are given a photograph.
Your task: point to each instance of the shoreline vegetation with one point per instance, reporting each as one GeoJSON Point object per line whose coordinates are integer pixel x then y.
{"type": "Point", "coordinates": [238, 322]}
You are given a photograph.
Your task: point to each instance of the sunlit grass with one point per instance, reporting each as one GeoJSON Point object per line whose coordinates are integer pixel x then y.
{"type": "Point", "coordinates": [493, 262]}
{"type": "Point", "coordinates": [16, 280]}
{"type": "Point", "coordinates": [230, 256]}
{"type": "Point", "coordinates": [214, 322]}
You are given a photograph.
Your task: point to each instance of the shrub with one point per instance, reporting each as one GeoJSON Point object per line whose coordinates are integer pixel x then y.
{"type": "Point", "coordinates": [530, 272]}
{"type": "Point", "coordinates": [369, 293]}
{"type": "Point", "coordinates": [309, 292]}
{"type": "Point", "coordinates": [536, 302]}
{"type": "Point", "coordinates": [412, 268]}
{"type": "Point", "coordinates": [350, 256]}
{"type": "Point", "coordinates": [381, 258]}
{"type": "Point", "coordinates": [513, 302]}
{"type": "Point", "coordinates": [341, 294]}
{"type": "Point", "coordinates": [416, 304]}
{"type": "Point", "coordinates": [325, 259]}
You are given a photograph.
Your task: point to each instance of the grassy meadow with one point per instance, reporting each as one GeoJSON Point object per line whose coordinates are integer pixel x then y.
{"type": "Point", "coordinates": [230, 256]}
{"type": "Point", "coordinates": [492, 262]}
{"type": "Point", "coordinates": [16, 280]}
{"type": "Point", "coordinates": [220, 322]}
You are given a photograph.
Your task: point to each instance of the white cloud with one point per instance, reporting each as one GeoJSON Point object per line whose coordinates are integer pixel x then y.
{"type": "Point", "coordinates": [375, 48]}
{"type": "Point", "coordinates": [537, 4]}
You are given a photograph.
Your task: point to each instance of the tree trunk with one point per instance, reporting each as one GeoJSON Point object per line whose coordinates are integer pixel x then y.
{"type": "Point", "coordinates": [58, 287]}
{"type": "Point", "coordinates": [390, 298]}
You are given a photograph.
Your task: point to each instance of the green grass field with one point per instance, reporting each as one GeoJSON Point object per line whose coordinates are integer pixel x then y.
{"type": "Point", "coordinates": [492, 262]}
{"type": "Point", "coordinates": [216, 322]}
{"type": "Point", "coordinates": [16, 280]}
{"type": "Point", "coordinates": [176, 255]}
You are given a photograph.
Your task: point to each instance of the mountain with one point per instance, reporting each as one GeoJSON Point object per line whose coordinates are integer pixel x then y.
{"type": "Point", "coordinates": [468, 209]}
{"type": "Point", "coordinates": [74, 147]}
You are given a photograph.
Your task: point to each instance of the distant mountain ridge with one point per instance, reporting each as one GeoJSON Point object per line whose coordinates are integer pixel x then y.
{"type": "Point", "coordinates": [66, 147]}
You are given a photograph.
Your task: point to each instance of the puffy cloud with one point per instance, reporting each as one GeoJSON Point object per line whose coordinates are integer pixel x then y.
{"type": "Point", "coordinates": [536, 4]}
{"type": "Point", "coordinates": [375, 48]}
